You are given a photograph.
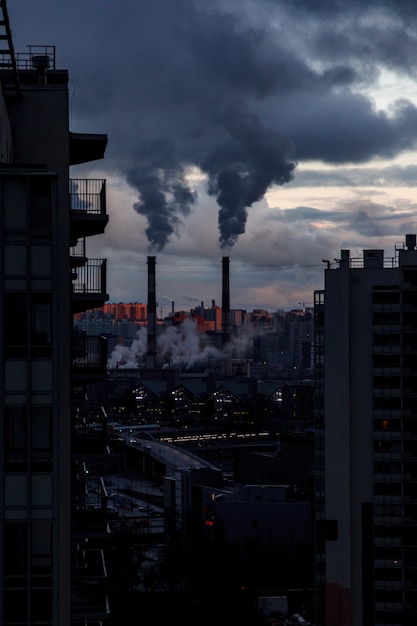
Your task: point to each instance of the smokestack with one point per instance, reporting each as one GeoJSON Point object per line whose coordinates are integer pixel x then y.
{"type": "Point", "coordinates": [225, 302]}
{"type": "Point", "coordinates": [151, 347]}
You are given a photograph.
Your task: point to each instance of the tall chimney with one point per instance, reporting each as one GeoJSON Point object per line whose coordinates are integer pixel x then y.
{"type": "Point", "coordinates": [225, 302]}
{"type": "Point", "coordinates": [151, 347]}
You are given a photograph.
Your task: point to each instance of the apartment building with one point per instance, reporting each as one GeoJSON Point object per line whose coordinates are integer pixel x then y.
{"type": "Point", "coordinates": [366, 439]}
{"type": "Point", "coordinates": [46, 277]}
{"type": "Point", "coordinates": [116, 311]}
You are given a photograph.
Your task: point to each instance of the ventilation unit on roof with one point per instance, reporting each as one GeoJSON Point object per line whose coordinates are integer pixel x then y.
{"type": "Point", "coordinates": [40, 62]}
{"type": "Point", "coordinates": [410, 242]}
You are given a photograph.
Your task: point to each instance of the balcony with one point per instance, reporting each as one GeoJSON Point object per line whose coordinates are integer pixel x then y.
{"type": "Point", "coordinates": [89, 434]}
{"type": "Point", "coordinates": [86, 147]}
{"type": "Point", "coordinates": [89, 286]}
{"type": "Point", "coordinates": [89, 509]}
{"type": "Point", "coordinates": [89, 357]}
{"type": "Point", "coordinates": [87, 207]}
{"type": "Point", "coordinates": [78, 255]}
{"type": "Point", "coordinates": [89, 586]}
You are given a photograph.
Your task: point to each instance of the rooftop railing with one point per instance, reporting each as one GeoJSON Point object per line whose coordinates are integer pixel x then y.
{"type": "Point", "coordinates": [36, 58]}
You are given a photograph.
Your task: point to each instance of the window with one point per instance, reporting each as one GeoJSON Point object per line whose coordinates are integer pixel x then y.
{"type": "Point", "coordinates": [41, 603]}
{"type": "Point", "coordinates": [41, 371]}
{"type": "Point", "coordinates": [15, 216]}
{"type": "Point", "coordinates": [331, 530]}
{"type": "Point", "coordinates": [15, 434]}
{"type": "Point", "coordinates": [40, 260]}
{"type": "Point", "coordinates": [15, 548]}
{"type": "Point", "coordinates": [387, 404]}
{"type": "Point", "coordinates": [41, 490]}
{"type": "Point", "coordinates": [15, 319]}
{"type": "Point", "coordinates": [15, 492]}
{"type": "Point", "coordinates": [41, 550]}
{"type": "Point", "coordinates": [386, 360]}
{"type": "Point", "coordinates": [40, 204]}
{"type": "Point", "coordinates": [41, 319]}
{"type": "Point", "coordinates": [15, 376]}
{"type": "Point", "coordinates": [15, 604]}
{"type": "Point", "coordinates": [15, 260]}
{"type": "Point", "coordinates": [386, 297]}
{"type": "Point", "coordinates": [41, 433]}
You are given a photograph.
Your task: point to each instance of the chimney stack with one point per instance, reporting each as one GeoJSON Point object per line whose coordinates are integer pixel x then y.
{"type": "Point", "coordinates": [151, 347]}
{"type": "Point", "coordinates": [225, 302]}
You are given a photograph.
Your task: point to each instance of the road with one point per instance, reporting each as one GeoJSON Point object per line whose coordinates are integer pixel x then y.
{"type": "Point", "coordinates": [138, 502]}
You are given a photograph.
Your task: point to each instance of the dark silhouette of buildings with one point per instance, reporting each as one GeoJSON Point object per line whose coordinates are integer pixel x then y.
{"type": "Point", "coordinates": [51, 533]}
{"type": "Point", "coordinates": [365, 439]}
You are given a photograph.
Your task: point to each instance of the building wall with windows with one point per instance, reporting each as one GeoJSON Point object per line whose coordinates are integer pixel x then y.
{"type": "Point", "coordinates": [366, 450]}
{"type": "Point", "coordinates": [35, 349]}
{"type": "Point", "coordinates": [36, 307]}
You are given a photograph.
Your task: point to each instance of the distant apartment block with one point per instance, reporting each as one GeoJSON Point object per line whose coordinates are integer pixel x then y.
{"type": "Point", "coordinates": [279, 340]}
{"type": "Point", "coordinates": [118, 312]}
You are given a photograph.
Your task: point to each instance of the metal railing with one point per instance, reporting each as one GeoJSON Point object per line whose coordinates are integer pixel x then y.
{"type": "Point", "coordinates": [91, 277]}
{"type": "Point", "coordinates": [88, 195]}
{"type": "Point", "coordinates": [36, 55]}
{"type": "Point", "coordinates": [89, 351]}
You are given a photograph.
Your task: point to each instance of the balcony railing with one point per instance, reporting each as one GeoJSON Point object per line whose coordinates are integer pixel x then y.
{"type": "Point", "coordinates": [87, 207]}
{"type": "Point", "coordinates": [89, 351]}
{"type": "Point", "coordinates": [88, 195]}
{"type": "Point", "coordinates": [89, 285]}
{"type": "Point", "coordinates": [89, 585]}
{"type": "Point", "coordinates": [91, 278]}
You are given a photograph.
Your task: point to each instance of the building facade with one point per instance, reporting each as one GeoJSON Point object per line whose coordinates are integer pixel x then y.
{"type": "Point", "coordinates": [366, 444]}
{"type": "Point", "coordinates": [45, 278]}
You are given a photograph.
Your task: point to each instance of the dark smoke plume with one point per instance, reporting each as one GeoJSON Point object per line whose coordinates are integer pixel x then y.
{"type": "Point", "coordinates": [213, 67]}
{"type": "Point", "coordinates": [227, 86]}
{"type": "Point", "coordinates": [164, 197]}
{"type": "Point", "coordinates": [241, 171]}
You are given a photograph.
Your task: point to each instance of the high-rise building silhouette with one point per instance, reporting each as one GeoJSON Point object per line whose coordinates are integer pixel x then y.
{"type": "Point", "coordinates": [46, 278]}
{"type": "Point", "coordinates": [366, 439]}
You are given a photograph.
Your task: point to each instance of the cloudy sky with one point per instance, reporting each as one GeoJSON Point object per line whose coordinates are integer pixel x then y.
{"type": "Point", "coordinates": [274, 132]}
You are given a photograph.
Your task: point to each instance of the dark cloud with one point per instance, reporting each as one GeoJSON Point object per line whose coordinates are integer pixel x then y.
{"type": "Point", "coordinates": [383, 176]}
{"type": "Point", "coordinates": [370, 219]}
{"type": "Point", "coordinates": [243, 90]}
{"type": "Point", "coordinates": [345, 128]}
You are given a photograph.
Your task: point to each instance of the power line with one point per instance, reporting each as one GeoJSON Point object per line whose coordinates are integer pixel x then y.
{"type": "Point", "coordinates": [202, 268]}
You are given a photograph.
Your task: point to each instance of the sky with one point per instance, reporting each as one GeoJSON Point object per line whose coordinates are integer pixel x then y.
{"type": "Point", "coordinates": [275, 133]}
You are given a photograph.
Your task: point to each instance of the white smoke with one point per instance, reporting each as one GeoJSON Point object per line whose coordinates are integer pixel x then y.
{"type": "Point", "coordinates": [240, 342]}
{"type": "Point", "coordinates": [184, 345]}
{"type": "Point", "coordinates": [180, 345]}
{"type": "Point", "coordinates": [129, 357]}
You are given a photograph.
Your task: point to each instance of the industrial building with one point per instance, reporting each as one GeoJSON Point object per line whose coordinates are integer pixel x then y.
{"type": "Point", "coordinates": [52, 569]}
{"type": "Point", "coordinates": [365, 439]}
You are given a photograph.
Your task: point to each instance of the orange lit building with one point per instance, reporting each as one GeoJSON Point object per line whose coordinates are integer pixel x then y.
{"type": "Point", "coordinates": [118, 311]}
